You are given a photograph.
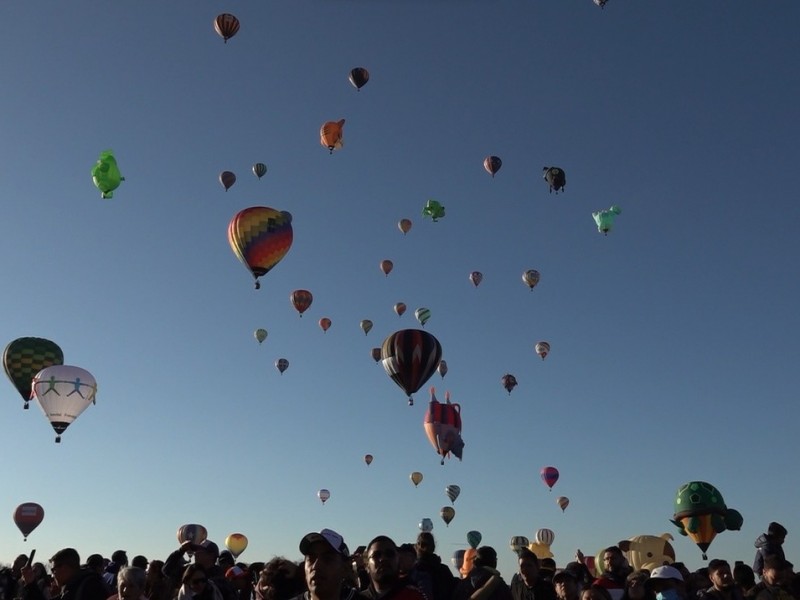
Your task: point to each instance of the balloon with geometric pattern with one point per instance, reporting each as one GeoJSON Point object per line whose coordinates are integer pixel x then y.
{"type": "Point", "coordinates": [63, 393]}
{"type": "Point", "coordinates": [24, 357]}
{"type": "Point", "coordinates": [226, 25]}
{"type": "Point", "coordinates": [260, 237]}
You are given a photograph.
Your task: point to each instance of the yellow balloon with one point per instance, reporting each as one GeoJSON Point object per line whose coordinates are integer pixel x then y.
{"type": "Point", "coordinates": [416, 477]}
{"type": "Point", "coordinates": [540, 550]}
{"type": "Point", "coordinates": [236, 543]}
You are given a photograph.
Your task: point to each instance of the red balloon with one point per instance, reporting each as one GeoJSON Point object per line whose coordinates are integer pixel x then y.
{"type": "Point", "coordinates": [549, 476]}
{"type": "Point", "coordinates": [301, 300]}
{"type": "Point", "coordinates": [27, 517]}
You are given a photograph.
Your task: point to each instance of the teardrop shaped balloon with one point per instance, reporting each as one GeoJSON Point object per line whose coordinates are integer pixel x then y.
{"type": "Point", "coordinates": [518, 542]}
{"type": "Point", "coordinates": [452, 492]}
{"type": "Point", "coordinates": [476, 277]}
{"type": "Point", "coordinates": [260, 237]}
{"type": "Point", "coordinates": [542, 349]}
{"type": "Point", "coordinates": [400, 308]}
{"type": "Point", "coordinates": [359, 77]}
{"type": "Point", "coordinates": [24, 357]}
{"type": "Point", "coordinates": [386, 266]}
{"type": "Point", "coordinates": [368, 459]}
{"type": "Point", "coordinates": [236, 543]}
{"type": "Point", "coordinates": [375, 353]}
{"type": "Point", "coordinates": [325, 323]}
{"type": "Point", "coordinates": [422, 315]}
{"type": "Point", "coordinates": [27, 517]}
{"type": "Point", "coordinates": [63, 393]}
{"type": "Point", "coordinates": [323, 495]}
{"type": "Point", "coordinates": [416, 478]}
{"type": "Point", "coordinates": [366, 326]}
{"type": "Point", "coordinates": [531, 278]}
{"type": "Point", "coordinates": [192, 532]}
{"type": "Point", "coordinates": [226, 25]}
{"type": "Point", "coordinates": [563, 502]}
{"type": "Point", "coordinates": [447, 513]}
{"type": "Point", "coordinates": [410, 357]}
{"type": "Point", "coordinates": [492, 164]}
{"type": "Point", "coordinates": [474, 538]}
{"type": "Point", "coordinates": [545, 537]}
{"type": "Point", "coordinates": [259, 170]}
{"type": "Point", "coordinates": [509, 382]}
{"type": "Point", "coordinates": [281, 364]}
{"type": "Point", "coordinates": [549, 475]}
{"type": "Point", "coordinates": [331, 135]}
{"type": "Point", "coordinates": [442, 368]}
{"type": "Point", "coordinates": [404, 225]}
{"type": "Point", "coordinates": [426, 525]}
{"type": "Point", "coordinates": [260, 335]}
{"type": "Point", "coordinates": [227, 179]}
{"type": "Point", "coordinates": [301, 300]}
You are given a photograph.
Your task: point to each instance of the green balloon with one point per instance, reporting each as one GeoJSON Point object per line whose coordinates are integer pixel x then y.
{"type": "Point", "coordinates": [434, 210]}
{"type": "Point", "coordinates": [106, 175]}
{"type": "Point", "coordinates": [605, 218]}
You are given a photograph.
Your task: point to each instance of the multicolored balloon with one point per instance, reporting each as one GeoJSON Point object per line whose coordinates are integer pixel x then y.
{"type": "Point", "coordinates": [260, 237]}
{"type": "Point", "coordinates": [386, 266]}
{"type": "Point", "coordinates": [426, 525]}
{"type": "Point", "coordinates": [442, 368]}
{"type": "Point", "coordinates": [325, 324]}
{"type": "Point", "coordinates": [509, 382]}
{"type": "Point", "coordinates": [452, 491]}
{"type": "Point", "coordinates": [368, 459]}
{"type": "Point", "coordinates": [25, 357]}
{"type": "Point", "coordinates": [301, 300]}
{"type": "Point", "coordinates": [366, 326]}
{"type": "Point", "coordinates": [260, 335]}
{"type": "Point", "coordinates": [476, 277]}
{"type": "Point", "coordinates": [604, 219]}
{"type": "Point", "coordinates": [442, 424]}
{"type": "Point", "coordinates": [422, 315]}
{"type": "Point", "coordinates": [226, 25]}
{"type": "Point", "coordinates": [227, 179]}
{"type": "Point", "coordinates": [63, 393]}
{"type": "Point", "coordinates": [281, 364]}
{"type": "Point", "coordinates": [447, 513]}
{"type": "Point", "coordinates": [27, 517]}
{"type": "Point", "coordinates": [410, 357]}
{"type": "Point", "coordinates": [404, 225]}
{"type": "Point", "coordinates": [531, 278]}
{"type": "Point", "coordinates": [701, 513]}
{"type": "Point", "coordinates": [550, 476]}
{"type": "Point", "coordinates": [433, 209]}
{"type": "Point", "coordinates": [259, 170]}
{"type": "Point", "coordinates": [542, 349]}
{"type": "Point", "coordinates": [416, 478]}
{"type": "Point", "coordinates": [474, 538]}
{"type": "Point", "coordinates": [563, 502]}
{"type": "Point", "coordinates": [323, 495]}
{"type": "Point", "coordinates": [106, 175]}
{"type": "Point", "coordinates": [492, 164]}
{"type": "Point", "coordinates": [555, 177]}
{"type": "Point", "coordinates": [518, 542]}
{"type": "Point", "coordinates": [236, 543]}
{"type": "Point", "coordinates": [331, 135]}
{"type": "Point", "coordinates": [400, 308]}
{"type": "Point", "coordinates": [359, 77]}
{"type": "Point", "coordinates": [192, 532]}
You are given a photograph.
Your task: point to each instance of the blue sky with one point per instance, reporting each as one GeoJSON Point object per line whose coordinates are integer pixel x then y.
{"type": "Point", "coordinates": [674, 338]}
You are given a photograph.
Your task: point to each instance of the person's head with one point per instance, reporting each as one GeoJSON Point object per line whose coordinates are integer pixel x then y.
{"type": "Point", "coordinates": [325, 563]}
{"type": "Point", "coordinates": [595, 592]}
{"type": "Point", "coordinates": [635, 584]}
{"type": "Point", "coordinates": [96, 563]}
{"type": "Point", "coordinates": [130, 583]}
{"type": "Point", "coordinates": [383, 564]}
{"type": "Point", "coordinates": [528, 564]}
{"type": "Point", "coordinates": [39, 571]}
{"type": "Point", "coordinates": [666, 583]}
{"type": "Point", "coordinates": [407, 556]}
{"type": "Point", "coordinates": [64, 565]}
{"type": "Point", "coordinates": [195, 579]}
{"type": "Point", "coordinates": [744, 576]}
{"type": "Point", "coordinates": [777, 532]}
{"type": "Point", "coordinates": [239, 577]}
{"type": "Point", "coordinates": [154, 570]}
{"type": "Point", "coordinates": [719, 572]}
{"type": "Point", "coordinates": [485, 556]}
{"type": "Point", "coordinates": [774, 567]}
{"type": "Point", "coordinates": [139, 561]}
{"type": "Point", "coordinates": [566, 585]}
{"type": "Point", "coordinates": [280, 579]}
{"type": "Point", "coordinates": [425, 544]}
{"type": "Point", "coordinates": [613, 559]}
{"type": "Point", "coordinates": [205, 554]}
{"type": "Point", "coordinates": [226, 560]}
{"type": "Point", "coordinates": [120, 558]}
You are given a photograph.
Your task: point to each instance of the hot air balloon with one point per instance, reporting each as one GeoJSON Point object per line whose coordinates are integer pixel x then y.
{"type": "Point", "coordinates": [605, 219]}
{"type": "Point", "coordinates": [442, 368]}
{"type": "Point", "coordinates": [226, 25]}
{"type": "Point", "coordinates": [376, 354]}
{"type": "Point", "coordinates": [301, 300]}
{"type": "Point", "coordinates": [404, 225]}
{"type": "Point", "coordinates": [601, 3]}
{"type": "Point", "coordinates": [359, 77]}
{"type": "Point", "coordinates": [227, 179]}
{"type": "Point", "coordinates": [387, 266]}
{"type": "Point", "coordinates": [331, 135]}
{"type": "Point", "coordinates": [492, 164]}
{"type": "Point", "coordinates": [400, 308]}
{"type": "Point", "coordinates": [426, 525]}
{"type": "Point", "coordinates": [260, 237]}
{"type": "Point", "coordinates": [323, 495]}
{"type": "Point", "coordinates": [545, 537]}
{"type": "Point", "coordinates": [518, 542]}
{"type": "Point", "coordinates": [106, 175]}
{"type": "Point", "coordinates": [556, 178]}
{"type": "Point", "coordinates": [25, 357]}
{"type": "Point", "coordinates": [433, 209]}
{"type": "Point", "coordinates": [531, 278]}
{"type": "Point", "coordinates": [476, 277]}
{"type": "Point", "coordinates": [27, 517]}
{"type": "Point", "coordinates": [259, 170]}
{"type": "Point", "coordinates": [509, 382]}
{"type": "Point", "coordinates": [281, 364]}
{"type": "Point", "coordinates": [416, 478]}
{"type": "Point", "coordinates": [63, 393]}
{"type": "Point", "coordinates": [563, 502]}
{"type": "Point", "coordinates": [452, 491]}
{"type": "Point", "coordinates": [447, 513]}
{"type": "Point", "coordinates": [236, 543]}
{"type": "Point", "coordinates": [540, 550]}
{"type": "Point", "coordinates": [368, 459]}
{"type": "Point", "coordinates": [410, 357]}
{"type": "Point", "coordinates": [442, 424]}
{"type": "Point", "coordinates": [366, 326]}
{"type": "Point", "coordinates": [325, 323]}
{"type": "Point", "coordinates": [191, 532]}
{"type": "Point", "coordinates": [474, 538]}
{"type": "Point", "coordinates": [422, 315]}
{"type": "Point", "coordinates": [542, 349]}
{"type": "Point", "coordinates": [549, 475]}
{"type": "Point", "coordinates": [457, 560]}
{"type": "Point", "coordinates": [701, 513]}
{"type": "Point", "coordinates": [261, 335]}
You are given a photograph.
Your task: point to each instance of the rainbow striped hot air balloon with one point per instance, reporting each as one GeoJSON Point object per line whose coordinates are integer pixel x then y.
{"type": "Point", "coordinates": [260, 237]}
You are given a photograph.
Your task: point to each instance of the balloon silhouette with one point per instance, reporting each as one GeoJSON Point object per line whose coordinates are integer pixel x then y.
{"type": "Point", "coordinates": [25, 357]}
{"type": "Point", "coordinates": [27, 517]}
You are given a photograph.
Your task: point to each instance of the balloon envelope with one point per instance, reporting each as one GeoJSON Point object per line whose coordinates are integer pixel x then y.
{"type": "Point", "coordinates": [531, 278]}
{"type": "Point", "coordinates": [422, 315]}
{"type": "Point", "coordinates": [404, 225]}
{"type": "Point", "coordinates": [426, 525]}
{"type": "Point", "coordinates": [386, 266]}
{"type": "Point", "coordinates": [416, 478]}
{"type": "Point", "coordinates": [509, 382]}
{"type": "Point", "coordinates": [447, 513]}
{"type": "Point", "coordinates": [492, 164]}
{"type": "Point", "coordinates": [325, 323]}
{"type": "Point", "coordinates": [410, 357]}
{"type": "Point", "coordinates": [442, 368]}
{"type": "Point", "coordinates": [192, 532]}
{"type": "Point", "coordinates": [331, 135]}
{"type": "Point", "coordinates": [376, 354]}
{"type": "Point", "coordinates": [474, 538]}
{"type": "Point", "coordinates": [25, 357]}
{"type": "Point", "coordinates": [542, 349]}
{"type": "Point", "coordinates": [400, 308]}
{"type": "Point", "coordinates": [368, 459]}
{"type": "Point", "coordinates": [563, 502]}
{"type": "Point", "coordinates": [545, 537]}
{"type": "Point", "coordinates": [106, 175]}
{"type": "Point", "coordinates": [518, 542]}
{"type": "Point", "coordinates": [259, 170]}
{"type": "Point", "coordinates": [236, 543]}
{"type": "Point", "coordinates": [323, 495]}
{"type": "Point", "coordinates": [63, 393]}
{"type": "Point", "coordinates": [27, 517]}
{"type": "Point", "coordinates": [366, 326]}
{"type": "Point", "coordinates": [549, 475]}
{"type": "Point", "coordinates": [452, 492]}
{"type": "Point", "coordinates": [261, 335]}
{"type": "Point", "coordinates": [281, 364]}
{"type": "Point", "coordinates": [226, 25]}
{"type": "Point", "coordinates": [476, 277]}
{"type": "Point", "coordinates": [359, 77]}
{"type": "Point", "coordinates": [301, 300]}
{"type": "Point", "coordinates": [260, 237]}
{"type": "Point", "coordinates": [227, 179]}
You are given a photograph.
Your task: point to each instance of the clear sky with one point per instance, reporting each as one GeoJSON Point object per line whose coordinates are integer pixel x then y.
{"type": "Point", "coordinates": [674, 338]}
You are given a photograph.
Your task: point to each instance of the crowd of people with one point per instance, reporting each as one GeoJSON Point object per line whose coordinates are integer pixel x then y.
{"type": "Point", "coordinates": [385, 570]}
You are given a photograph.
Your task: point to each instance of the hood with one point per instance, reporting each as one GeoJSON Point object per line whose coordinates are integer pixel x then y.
{"type": "Point", "coordinates": [762, 541]}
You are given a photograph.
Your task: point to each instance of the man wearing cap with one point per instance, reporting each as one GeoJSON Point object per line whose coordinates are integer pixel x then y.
{"type": "Point", "coordinates": [383, 568]}
{"type": "Point", "coordinates": [205, 555]}
{"type": "Point", "coordinates": [667, 583]}
{"type": "Point", "coordinates": [769, 543]}
{"type": "Point", "coordinates": [483, 582]}
{"type": "Point", "coordinates": [326, 563]}
{"type": "Point", "coordinates": [528, 583]}
{"type": "Point", "coordinates": [723, 587]}
{"type": "Point", "coordinates": [566, 585]}
{"type": "Point", "coordinates": [773, 580]}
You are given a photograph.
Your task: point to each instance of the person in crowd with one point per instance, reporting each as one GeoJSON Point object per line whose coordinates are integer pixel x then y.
{"type": "Point", "coordinates": [326, 563]}
{"type": "Point", "coordinates": [615, 572]}
{"type": "Point", "coordinates": [595, 592]}
{"type": "Point", "coordinates": [119, 560]}
{"type": "Point", "coordinates": [72, 581]}
{"type": "Point", "coordinates": [280, 579]}
{"type": "Point", "coordinates": [566, 585]}
{"type": "Point", "coordinates": [157, 586]}
{"type": "Point", "coordinates": [205, 555]}
{"type": "Point", "coordinates": [483, 582]}
{"type": "Point", "coordinates": [529, 583]}
{"type": "Point", "coordinates": [667, 583]}
{"type": "Point", "coordinates": [130, 584]}
{"type": "Point", "coordinates": [744, 576]}
{"type": "Point", "coordinates": [636, 586]}
{"type": "Point", "coordinates": [239, 578]}
{"type": "Point", "coordinates": [409, 574]}
{"type": "Point", "coordinates": [429, 565]}
{"type": "Point", "coordinates": [140, 561]}
{"type": "Point", "coordinates": [197, 585]}
{"type": "Point", "coordinates": [774, 584]}
{"type": "Point", "coordinates": [723, 586]}
{"type": "Point", "coordinates": [383, 568]}
{"type": "Point", "coordinates": [769, 543]}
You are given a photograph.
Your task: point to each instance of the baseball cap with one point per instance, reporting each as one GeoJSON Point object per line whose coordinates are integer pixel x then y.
{"type": "Point", "coordinates": [562, 575]}
{"type": "Point", "coordinates": [330, 537]}
{"type": "Point", "coordinates": [208, 546]}
{"type": "Point", "coordinates": [666, 572]}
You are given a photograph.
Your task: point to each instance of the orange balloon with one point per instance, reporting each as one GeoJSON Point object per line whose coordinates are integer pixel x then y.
{"type": "Point", "coordinates": [325, 323]}
{"type": "Point", "coordinates": [330, 135]}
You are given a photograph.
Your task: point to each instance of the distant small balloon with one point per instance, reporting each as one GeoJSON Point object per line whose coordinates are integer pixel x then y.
{"type": "Point", "coordinates": [416, 478]}
{"type": "Point", "coordinates": [509, 382]}
{"type": "Point", "coordinates": [422, 315]}
{"type": "Point", "coordinates": [404, 225]}
{"type": "Point", "coordinates": [226, 25]}
{"type": "Point", "coordinates": [368, 459]}
{"type": "Point", "coordinates": [227, 179]}
{"type": "Point", "coordinates": [447, 513]}
{"type": "Point", "coordinates": [366, 326]}
{"type": "Point", "coordinates": [259, 170]}
{"type": "Point", "coordinates": [563, 502]}
{"type": "Point", "coordinates": [281, 364]}
{"type": "Point", "coordinates": [376, 354]}
{"type": "Point", "coordinates": [492, 164]}
{"type": "Point", "coordinates": [426, 525]}
{"type": "Point", "coordinates": [400, 308]}
{"type": "Point", "coordinates": [452, 491]}
{"type": "Point", "coordinates": [476, 277]}
{"type": "Point", "coordinates": [359, 77]}
{"type": "Point", "coordinates": [261, 335]}
{"type": "Point", "coordinates": [323, 495]}
{"type": "Point", "coordinates": [531, 278]}
{"type": "Point", "coordinates": [386, 266]}
{"type": "Point", "coordinates": [542, 349]}
{"type": "Point", "coordinates": [442, 368]}
{"type": "Point", "coordinates": [325, 323]}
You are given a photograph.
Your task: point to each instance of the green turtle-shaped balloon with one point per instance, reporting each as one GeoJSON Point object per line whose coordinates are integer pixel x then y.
{"type": "Point", "coordinates": [106, 175]}
{"type": "Point", "coordinates": [701, 513]}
